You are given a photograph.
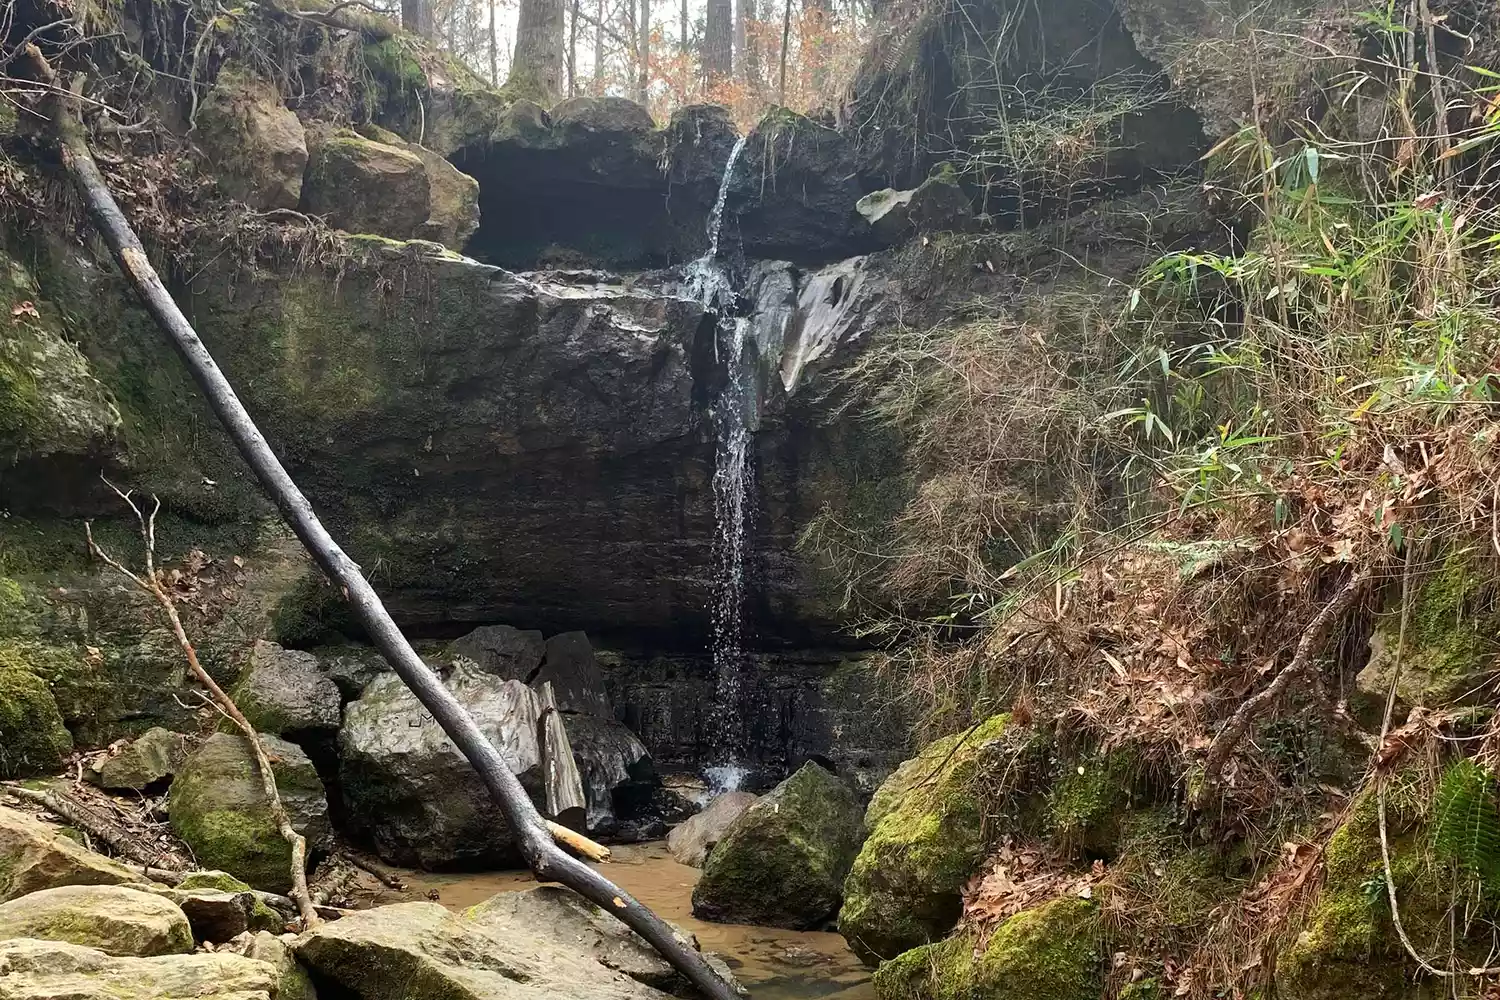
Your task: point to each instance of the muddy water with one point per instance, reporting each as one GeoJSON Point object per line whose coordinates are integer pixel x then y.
{"type": "Point", "coordinates": [773, 964]}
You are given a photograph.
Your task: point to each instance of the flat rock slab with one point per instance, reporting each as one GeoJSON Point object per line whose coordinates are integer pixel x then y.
{"type": "Point", "coordinates": [112, 918]}
{"type": "Point", "coordinates": [436, 955]}
{"type": "Point", "coordinates": [54, 970]}
{"type": "Point", "coordinates": [35, 855]}
{"type": "Point", "coordinates": [693, 840]}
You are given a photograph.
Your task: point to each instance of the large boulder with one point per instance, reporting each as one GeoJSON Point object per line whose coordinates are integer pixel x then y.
{"type": "Point", "coordinates": [147, 760]}
{"type": "Point", "coordinates": [32, 737]}
{"type": "Point", "coordinates": [452, 195]}
{"type": "Point", "coordinates": [783, 863]}
{"type": "Point", "coordinates": [927, 836]}
{"type": "Point", "coordinates": [569, 664]}
{"type": "Point", "coordinates": [510, 653]}
{"type": "Point", "coordinates": [293, 982]}
{"type": "Point", "coordinates": [436, 955]}
{"type": "Point", "coordinates": [35, 855]}
{"type": "Point", "coordinates": [363, 186]}
{"type": "Point", "coordinates": [257, 149]}
{"type": "Point", "coordinates": [54, 970]}
{"type": "Point", "coordinates": [618, 774]}
{"type": "Point", "coordinates": [285, 692]}
{"type": "Point", "coordinates": [694, 839]}
{"type": "Point", "coordinates": [408, 788]}
{"type": "Point", "coordinates": [220, 915]}
{"type": "Point", "coordinates": [113, 918]}
{"type": "Point", "coordinates": [218, 807]}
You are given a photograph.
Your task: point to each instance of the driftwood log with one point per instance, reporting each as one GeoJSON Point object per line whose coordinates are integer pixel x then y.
{"type": "Point", "coordinates": [548, 861]}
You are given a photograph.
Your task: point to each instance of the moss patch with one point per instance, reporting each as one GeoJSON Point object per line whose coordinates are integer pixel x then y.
{"type": "Point", "coordinates": [32, 737]}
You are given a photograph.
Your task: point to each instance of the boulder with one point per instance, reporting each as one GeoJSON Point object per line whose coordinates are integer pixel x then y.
{"type": "Point", "coordinates": [219, 809]}
{"type": "Point", "coordinates": [926, 838]}
{"type": "Point", "coordinates": [152, 757]}
{"type": "Point", "coordinates": [693, 840]}
{"type": "Point", "coordinates": [407, 787]}
{"type": "Point", "coordinates": [1053, 950]}
{"type": "Point", "coordinates": [293, 982]}
{"type": "Point", "coordinates": [363, 186]}
{"type": "Point", "coordinates": [113, 918]}
{"type": "Point", "coordinates": [256, 148]}
{"type": "Point", "coordinates": [284, 691]}
{"type": "Point", "coordinates": [783, 863]}
{"type": "Point", "coordinates": [452, 195]}
{"type": "Point", "coordinates": [576, 680]}
{"type": "Point", "coordinates": [938, 204]}
{"type": "Point", "coordinates": [35, 855]}
{"type": "Point", "coordinates": [218, 915]}
{"type": "Point", "coordinates": [54, 970]}
{"type": "Point", "coordinates": [351, 668]}
{"type": "Point", "coordinates": [618, 774]}
{"type": "Point", "coordinates": [436, 955]}
{"type": "Point", "coordinates": [32, 737]}
{"type": "Point", "coordinates": [261, 917]}
{"type": "Point", "coordinates": [506, 652]}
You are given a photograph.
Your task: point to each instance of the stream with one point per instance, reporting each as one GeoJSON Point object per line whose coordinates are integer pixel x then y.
{"type": "Point", "coordinates": [771, 963]}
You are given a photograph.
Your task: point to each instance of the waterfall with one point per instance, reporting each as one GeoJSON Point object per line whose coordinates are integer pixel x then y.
{"type": "Point", "coordinates": [735, 415]}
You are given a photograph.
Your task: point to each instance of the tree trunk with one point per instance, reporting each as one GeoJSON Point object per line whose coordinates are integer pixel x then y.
{"type": "Point", "coordinates": [416, 17]}
{"type": "Point", "coordinates": [786, 38]}
{"type": "Point", "coordinates": [718, 45]}
{"type": "Point", "coordinates": [546, 859]}
{"type": "Point", "coordinates": [573, 51]}
{"type": "Point", "coordinates": [749, 45]}
{"type": "Point", "coordinates": [816, 24]}
{"type": "Point", "coordinates": [685, 41]}
{"type": "Point", "coordinates": [643, 56]}
{"type": "Point", "coordinates": [494, 48]}
{"type": "Point", "coordinates": [599, 49]}
{"type": "Point", "coordinates": [536, 68]}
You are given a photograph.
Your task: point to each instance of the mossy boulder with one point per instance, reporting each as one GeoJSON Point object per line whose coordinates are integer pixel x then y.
{"type": "Point", "coordinates": [1452, 637]}
{"type": "Point", "coordinates": [32, 737]}
{"type": "Point", "coordinates": [113, 918]}
{"type": "Point", "coordinates": [452, 195]}
{"type": "Point", "coordinates": [363, 186]}
{"type": "Point", "coordinates": [150, 758]}
{"type": "Point", "coordinates": [1052, 952]}
{"type": "Point", "coordinates": [219, 809]}
{"type": "Point", "coordinates": [936, 205]}
{"type": "Point", "coordinates": [48, 970]}
{"type": "Point", "coordinates": [927, 835]}
{"type": "Point", "coordinates": [35, 855]}
{"type": "Point", "coordinates": [783, 862]}
{"type": "Point", "coordinates": [256, 147]}
{"type": "Point", "coordinates": [285, 691]}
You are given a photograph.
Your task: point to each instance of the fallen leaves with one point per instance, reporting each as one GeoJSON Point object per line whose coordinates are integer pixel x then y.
{"type": "Point", "coordinates": [1019, 878]}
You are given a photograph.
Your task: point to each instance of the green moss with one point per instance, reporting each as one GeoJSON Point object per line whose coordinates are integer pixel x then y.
{"type": "Point", "coordinates": [1145, 989]}
{"type": "Point", "coordinates": [32, 737]}
{"type": "Point", "coordinates": [1051, 952]}
{"type": "Point", "coordinates": [314, 613]}
{"type": "Point", "coordinates": [1087, 801]}
{"type": "Point", "coordinates": [928, 834]}
{"type": "Point", "coordinates": [262, 917]}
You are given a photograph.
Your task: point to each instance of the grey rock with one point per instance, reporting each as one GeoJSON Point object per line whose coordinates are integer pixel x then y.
{"type": "Point", "coordinates": [51, 970]}
{"type": "Point", "coordinates": [113, 918]}
{"type": "Point", "coordinates": [153, 756]}
{"type": "Point", "coordinates": [938, 204]}
{"type": "Point", "coordinates": [293, 982]}
{"type": "Point", "coordinates": [618, 774]}
{"type": "Point", "coordinates": [286, 691]}
{"type": "Point", "coordinates": [437, 955]}
{"type": "Point", "coordinates": [218, 807]}
{"type": "Point", "coordinates": [218, 915]}
{"type": "Point", "coordinates": [363, 186]}
{"type": "Point", "coordinates": [506, 652]}
{"type": "Point", "coordinates": [576, 680]}
{"type": "Point", "coordinates": [35, 855]}
{"type": "Point", "coordinates": [693, 840]}
{"type": "Point", "coordinates": [408, 788]}
{"type": "Point", "coordinates": [351, 668]}
{"type": "Point", "coordinates": [257, 148]}
{"type": "Point", "coordinates": [783, 863]}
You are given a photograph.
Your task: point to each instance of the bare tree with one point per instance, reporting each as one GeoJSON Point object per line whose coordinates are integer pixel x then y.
{"type": "Point", "coordinates": [643, 55]}
{"type": "Point", "coordinates": [747, 44]}
{"type": "Point", "coordinates": [494, 48]}
{"type": "Point", "coordinates": [786, 38]}
{"type": "Point", "coordinates": [683, 39]}
{"type": "Point", "coordinates": [537, 67]}
{"type": "Point", "coordinates": [599, 48]}
{"type": "Point", "coordinates": [573, 49]}
{"type": "Point", "coordinates": [718, 42]}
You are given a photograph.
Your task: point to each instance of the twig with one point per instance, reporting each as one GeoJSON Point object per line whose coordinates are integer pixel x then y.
{"type": "Point", "coordinates": [151, 584]}
{"type": "Point", "coordinates": [1234, 730]}
{"type": "Point", "coordinates": [388, 879]}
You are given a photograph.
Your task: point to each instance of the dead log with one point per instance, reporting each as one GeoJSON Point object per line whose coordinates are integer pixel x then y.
{"type": "Point", "coordinates": [564, 785]}
{"type": "Point", "coordinates": [548, 861]}
{"type": "Point", "coordinates": [95, 823]}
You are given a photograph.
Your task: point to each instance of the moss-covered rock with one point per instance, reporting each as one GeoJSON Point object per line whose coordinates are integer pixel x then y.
{"type": "Point", "coordinates": [1052, 952]}
{"type": "Point", "coordinates": [453, 196]}
{"type": "Point", "coordinates": [219, 809]}
{"type": "Point", "coordinates": [113, 918]}
{"type": "Point", "coordinates": [927, 836]}
{"type": "Point", "coordinates": [363, 186]}
{"type": "Point", "coordinates": [35, 855]}
{"type": "Point", "coordinates": [45, 970]}
{"type": "Point", "coordinates": [783, 862]}
{"type": "Point", "coordinates": [1450, 640]}
{"type": "Point", "coordinates": [1087, 802]}
{"type": "Point", "coordinates": [257, 148]}
{"type": "Point", "coordinates": [32, 737]}
{"type": "Point", "coordinates": [152, 757]}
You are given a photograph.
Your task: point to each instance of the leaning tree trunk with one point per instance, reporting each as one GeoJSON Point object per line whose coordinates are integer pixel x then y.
{"type": "Point", "coordinates": [547, 860]}
{"type": "Point", "coordinates": [718, 46]}
{"type": "Point", "coordinates": [536, 69]}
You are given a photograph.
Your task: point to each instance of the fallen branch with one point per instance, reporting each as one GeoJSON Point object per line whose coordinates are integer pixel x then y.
{"type": "Point", "coordinates": [548, 861]}
{"type": "Point", "coordinates": [151, 584]}
{"type": "Point", "coordinates": [1308, 647]}
{"type": "Point", "coordinates": [388, 879]}
{"type": "Point", "coordinates": [90, 821]}
{"type": "Point", "coordinates": [583, 845]}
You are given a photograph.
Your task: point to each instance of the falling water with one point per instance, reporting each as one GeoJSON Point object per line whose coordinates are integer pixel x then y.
{"type": "Point", "coordinates": [734, 416]}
